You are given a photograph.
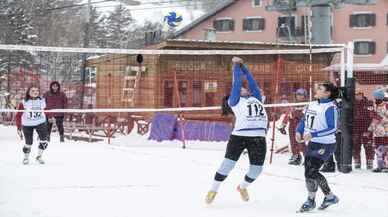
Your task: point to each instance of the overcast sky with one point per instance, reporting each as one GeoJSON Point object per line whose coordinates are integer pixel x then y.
{"type": "Point", "coordinates": [152, 12]}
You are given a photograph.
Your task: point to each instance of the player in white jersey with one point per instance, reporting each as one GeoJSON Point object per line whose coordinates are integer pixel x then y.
{"type": "Point", "coordinates": [30, 120]}
{"type": "Point", "coordinates": [249, 132]}
{"type": "Point", "coordinates": [318, 128]}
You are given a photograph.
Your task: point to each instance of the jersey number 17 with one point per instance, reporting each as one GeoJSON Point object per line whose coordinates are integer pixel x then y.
{"type": "Point", "coordinates": [310, 121]}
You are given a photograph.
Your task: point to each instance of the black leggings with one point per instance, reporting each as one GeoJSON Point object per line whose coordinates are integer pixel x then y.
{"type": "Point", "coordinates": [256, 146]}
{"type": "Point", "coordinates": [28, 132]}
{"type": "Point", "coordinates": [313, 177]}
{"type": "Point", "coordinates": [59, 123]}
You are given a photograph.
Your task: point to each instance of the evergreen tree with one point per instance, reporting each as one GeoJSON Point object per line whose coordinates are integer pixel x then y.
{"type": "Point", "coordinates": [16, 29]}
{"type": "Point", "coordinates": [97, 29]}
{"type": "Point", "coordinates": [119, 25]}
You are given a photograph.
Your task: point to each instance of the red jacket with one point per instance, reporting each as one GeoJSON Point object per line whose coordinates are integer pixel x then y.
{"type": "Point", "coordinates": [293, 115]}
{"type": "Point", "coordinates": [362, 115]}
{"type": "Point", "coordinates": [57, 100]}
{"type": "Point", "coordinates": [19, 116]}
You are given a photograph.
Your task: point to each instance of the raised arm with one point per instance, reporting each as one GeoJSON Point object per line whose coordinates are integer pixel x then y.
{"type": "Point", "coordinates": [253, 86]}
{"type": "Point", "coordinates": [236, 86]}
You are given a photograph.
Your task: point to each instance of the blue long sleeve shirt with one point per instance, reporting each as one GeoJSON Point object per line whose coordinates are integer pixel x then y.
{"type": "Point", "coordinates": [236, 86]}
{"type": "Point", "coordinates": [318, 132]}
{"type": "Point", "coordinates": [252, 84]}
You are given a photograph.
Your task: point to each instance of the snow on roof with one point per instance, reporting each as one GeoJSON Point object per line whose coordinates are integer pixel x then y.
{"type": "Point", "coordinates": [257, 43]}
{"type": "Point", "coordinates": [366, 67]}
{"type": "Point", "coordinates": [384, 62]}
{"type": "Point", "coordinates": [93, 57]}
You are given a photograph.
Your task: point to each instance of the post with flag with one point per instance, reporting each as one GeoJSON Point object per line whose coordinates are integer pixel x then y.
{"type": "Point", "coordinates": [171, 21]}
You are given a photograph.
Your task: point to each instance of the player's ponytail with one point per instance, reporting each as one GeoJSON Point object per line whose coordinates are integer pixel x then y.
{"type": "Point", "coordinates": [334, 90]}
{"type": "Point", "coordinates": [226, 110]}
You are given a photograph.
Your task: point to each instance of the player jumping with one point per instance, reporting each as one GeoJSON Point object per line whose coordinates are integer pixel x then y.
{"type": "Point", "coordinates": [249, 131]}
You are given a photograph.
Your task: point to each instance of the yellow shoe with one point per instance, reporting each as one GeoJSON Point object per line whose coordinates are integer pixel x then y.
{"type": "Point", "coordinates": [243, 193]}
{"type": "Point", "coordinates": [210, 197]}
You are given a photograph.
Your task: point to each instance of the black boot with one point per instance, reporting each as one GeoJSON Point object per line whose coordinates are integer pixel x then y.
{"type": "Point", "coordinates": [377, 170]}
{"type": "Point", "coordinates": [62, 138]}
{"type": "Point", "coordinates": [295, 160]}
{"type": "Point", "coordinates": [328, 167]}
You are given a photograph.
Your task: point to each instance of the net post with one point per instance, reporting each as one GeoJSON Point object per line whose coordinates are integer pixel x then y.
{"type": "Point", "coordinates": [109, 128]}
{"type": "Point", "coordinates": [180, 115]}
{"type": "Point", "coordinates": [276, 87]}
{"type": "Point", "coordinates": [348, 97]}
{"type": "Point", "coordinates": [342, 70]}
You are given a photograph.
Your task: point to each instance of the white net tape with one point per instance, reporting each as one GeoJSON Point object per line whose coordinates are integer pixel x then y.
{"type": "Point", "coordinates": [138, 110]}
{"type": "Point", "coordinates": [334, 49]}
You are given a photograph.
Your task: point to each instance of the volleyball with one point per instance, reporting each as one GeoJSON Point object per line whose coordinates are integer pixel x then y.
{"type": "Point", "coordinates": [173, 19]}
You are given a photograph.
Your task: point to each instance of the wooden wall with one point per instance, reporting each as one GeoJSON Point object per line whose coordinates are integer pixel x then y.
{"type": "Point", "coordinates": [199, 70]}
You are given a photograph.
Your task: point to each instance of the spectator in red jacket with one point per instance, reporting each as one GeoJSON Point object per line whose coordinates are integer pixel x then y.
{"type": "Point", "coordinates": [293, 116]}
{"type": "Point", "coordinates": [361, 122]}
{"type": "Point", "coordinates": [56, 99]}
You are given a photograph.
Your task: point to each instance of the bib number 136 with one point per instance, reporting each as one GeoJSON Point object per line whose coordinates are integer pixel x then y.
{"type": "Point", "coordinates": [34, 115]}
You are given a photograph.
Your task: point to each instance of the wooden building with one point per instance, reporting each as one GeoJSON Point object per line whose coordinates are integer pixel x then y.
{"type": "Point", "coordinates": [202, 80]}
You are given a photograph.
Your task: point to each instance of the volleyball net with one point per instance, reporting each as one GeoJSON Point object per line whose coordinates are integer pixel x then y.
{"type": "Point", "coordinates": [121, 90]}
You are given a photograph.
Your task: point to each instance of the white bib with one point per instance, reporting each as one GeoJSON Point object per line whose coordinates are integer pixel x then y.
{"type": "Point", "coordinates": [315, 120]}
{"type": "Point", "coordinates": [31, 118]}
{"type": "Point", "coordinates": [250, 117]}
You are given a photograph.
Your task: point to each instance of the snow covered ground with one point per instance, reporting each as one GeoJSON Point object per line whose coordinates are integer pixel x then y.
{"type": "Point", "coordinates": [137, 177]}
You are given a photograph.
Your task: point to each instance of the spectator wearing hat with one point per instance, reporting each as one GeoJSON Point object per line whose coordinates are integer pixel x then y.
{"type": "Point", "coordinates": [379, 129]}
{"type": "Point", "coordinates": [293, 116]}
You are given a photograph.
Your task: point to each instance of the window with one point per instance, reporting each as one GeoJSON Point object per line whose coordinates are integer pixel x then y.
{"type": "Point", "coordinates": [224, 25]}
{"type": "Point", "coordinates": [364, 47]}
{"type": "Point", "coordinates": [168, 93]}
{"type": "Point", "coordinates": [183, 87]}
{"type": "Point", "coordinates": [253, 24]}
{"type": "Point", "coordinates": [362, 20]}
{"type": "Point", "coordinates": [304, 26]}
{"type": "Point", "coordinates": [197, 93]}
{"type": "Point", "coordinates": [286, 26]}
{"type": "Point", "coordinates": [256, 3]}
{"type": "Point", "coordinates": [210, 92]}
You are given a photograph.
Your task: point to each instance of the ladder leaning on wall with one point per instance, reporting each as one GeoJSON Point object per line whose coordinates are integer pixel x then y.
{"type": "Point", "coordinates": [130, 86]}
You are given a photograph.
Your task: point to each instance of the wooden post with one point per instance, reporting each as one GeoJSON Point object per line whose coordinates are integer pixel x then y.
{"type": "Point", "coordinates": [276, 87]}
{"type": "Point", "coordinates": [109, 128]}
{"type": "Point", "coordinates": [180, 115]}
